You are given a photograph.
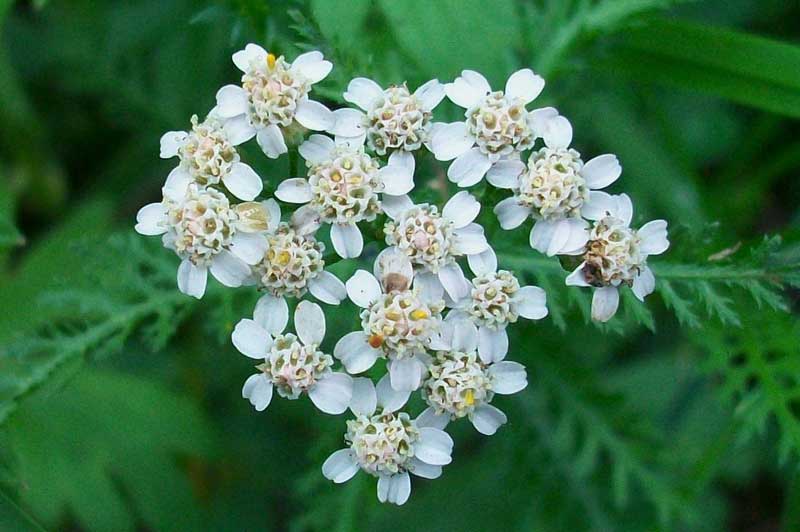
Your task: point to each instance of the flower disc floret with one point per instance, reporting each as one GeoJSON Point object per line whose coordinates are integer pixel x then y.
{"type": "Point", "coordinates": [293, 367]}
{"type": "Point", "coordinates": [383, 443]}
{"type": "Point", "coordinates": [345, 188]}
{"type": "Point", "coordinates": [207, 154]}
{"type": "Point", "coordinates": [458, 384]}
{"type": "Point", "coordinates": [292, 260]}
{"type": "Point", "coordinates": [613, 254]}
{"type": "Point", "coordinates": [552, 186]}
{"type": "Point", "coordinates": [401, 323]}
{"type": "Point", "coordinates": [500, 125]}
{"type": "Point", "coordinates": [425, 237]}
{"type": "Point", "coordinates": [397, 121]}
{"type": "Point", "coordinates": [273, 90]}
{"type": "Point", "coordinates": [492, 299]}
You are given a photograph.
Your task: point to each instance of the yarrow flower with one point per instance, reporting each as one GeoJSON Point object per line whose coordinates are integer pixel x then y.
{"type": "Point", "coordinates": [462, 383]}
{"type": "Point", "coordinates": [616, 255]}
{"type": "Point", "coordinates": [208, 156]}
{"type": "Point", "coordinates": [497, 125]}
{"type": "Point", "coordinates": [495, 301]}
{"type": "Point", "coordinates": [433, 240]}
{"type": "Point", "coordinates": [343, 188]}
{"type": "Point", "coordinates": [387, 444]}
{"type": "Point", "coordinates": [207, 233]}
{"type": "Point", "coordinates": [398, 320]}
{"type": "Point", "coordinates": [272, 100]}
{"type": "Point", "coordinates": [293, 364]}
{"type": "Point", "coordinates": [556, 189]}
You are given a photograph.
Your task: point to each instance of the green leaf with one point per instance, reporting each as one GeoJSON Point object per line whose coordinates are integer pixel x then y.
{"type": "Point", "coordinates": [77, 446]}
{"type": "Point", "coordinates": [746, 69]}
{"type": "Point", "coordinates": [339, 22]}
{"type": "Point", "coordinates": [12, 517]}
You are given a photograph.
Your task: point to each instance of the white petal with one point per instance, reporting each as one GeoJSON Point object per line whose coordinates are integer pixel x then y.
{"type": "Point", "coordinates": [348, 123]}
{"type": "Point", "coordinates": [271, 141]}
{"type": "Point", "coordinates": [294, 190]}
{"type": "Point", "coordinates": [271, 313]}
{"type": "Point", "coordinates": [403, 158]}
{"type": "Point", "coordinates": [231, 101]}
{"type": "Point", "coordinates": [406, 373]}
{"type": "Point", "coordinates": [424, 470]}
{"type": "Point", "coordinates": [510, 213]}
{"type": "Point", "coordinates": [273, 213]}
{"type": "Point", "coordinates": [549, 237]}
{"type": "Point", "coordinates": [577, 277]}
{"type": "Point", "coordinates": [644, 284]}
{"type": "Point", "coordinates": [654, 237]}
{"type": "Point", "coordinates": [601, 171]}
{"type": "Point", "coordinates": [192, 279]}
{"type": "Point", "coordinates": [332, 393]}
{"type": "Point", "coordinates": [252, 53]}
{"type": "Point", "coordinates": [170, 142]}
{"type": "Point", "coordinates": [363, 92]}
{"type": "Point", "coordinates": [505, 173]}
{"type": "Point", "coordinates": [305, 220]}
{"type": "Point", "coordinates": [487, 419]}
{"type": "Point", "coordinates": [309, 322]}
{"type": "Point", "coordinates": [317, 149]}
{"type": "Point", "coordinates": [394, 489]}
{"type": "Point", "coordinates": [461, 209]}
{"type": "Point", "coordinates": [434, 446]}
{"type": "Point", "coordinates": [469, 240]}
{"type": "Point", "coordinates": [492, 345]}
{"type": "Point", "coordinates": [454, 282]}
{"type": "Point", "coordinates": [354, 351]}
{"type": "Point", "coordinates": [430, 94]}
{"type": "Point", "coordinates": [151, 219]}
{"type": "Point", "coordinates": [429, 287]}
{"type": "Point", "coordinates": [175, 186]}
{"type": "Point", "coordinates": [238, 129]}
{"type": "Point", "coordinates": [429, 418]}
{"type": "Point", "coordinates": [327, 288]}
{"type": "Point", "coordinates": [524, 84]}
{"type": "Point", "coordinates": [390, 399]}
{"type": "Point", "coordinates": [340, 466]}
{"type": "Point", "coordinates": [392, 261]}
{"type": "Point", "coordinates": [347, 240]}
{"type": "Point", "coordinates": [450, 141]}
{"type": "Point", "coordinates": [540, 118]}
{"type": "Point", "coordinates": [624, 208]}
{"type": "Point", "coordinates": [508, 377]}
{"type": "Point", "coordinates": [579, 234]}
{"type": "Point", "coordinates": [251, 340]}
{"type": "Point", "coordinates": [599, 205]}
{"type": "Point", "coordinates": [363, 288]}
{"type": "Point", "coordinates": [604, 303]}
{"type": "Point", "coordinates": [228, 269]}
{"type": "Point", "coordinates": [531, 302]}
{"type": "Point", "coordinates": [394, 206]}
{"type": "Point", "coordinates": [258, 390]}
{"type": "Point", "coordinates": [249, 247]}
{"type": "Point", "coordinates": [558, 133]}
{"type": "Point", "coordinates": [315, 116]}
{"type": "Point", "coordinates": [467, 89]}
{"type": "Point", "coordinates": [465, 336]}
{"type": "Point", "coordinates": [469, 168]}
{"type": "Point", "coordinates": [312, 66]}
{"type": "Point", "coordinates": [365, 399]}
{"type": "Point", "coordinates": [483, 263]}
{"type": "Point", "coordinates": [397, 179]}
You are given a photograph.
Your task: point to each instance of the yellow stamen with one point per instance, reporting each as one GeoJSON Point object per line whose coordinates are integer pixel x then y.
{"type": "Point", "coordinates": [469, 397]}
{"type": "Point", "coordinates": [283, 258]}
{"type": "Point", "coordinates": [271, 61]}
{"type": "Point", "coordinates": [419, 314]}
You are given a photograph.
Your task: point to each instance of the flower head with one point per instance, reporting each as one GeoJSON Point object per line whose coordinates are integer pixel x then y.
{"type": "Point", "coordinates": [273, 97]}
{"type": "Point", "coordinates": [293, 364]}
{"type": "Point", "coordinates": [387, 444]}
{"type": "Point", "coordinates": [497, 125]}
{"type": "Point", "coordinates": [616, 255]}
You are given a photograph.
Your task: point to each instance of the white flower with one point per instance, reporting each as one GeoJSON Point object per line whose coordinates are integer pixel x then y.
{"type": "Point", "coordinates": [207, 233]}
{"type": "Point", "coordinates": [496, 299]}
{"type": "Point", "coordinates": [393, 119]}
{"type": "Point", "coordinates": [273, 97]}
{"type": "Point", "coordinates": [555, 188]}
{"type": "Point", "coordinates": [208, 155]}
{"type": "Point", "coordinates": [433, 241]}
{"type": "Point", "coordinates": [398, 320]}
{"type": "Point", "coordinates": [497, 125]}
{"type": "Point", "coordinates": [387, 444]}
{"type": "Point", "coordinates": [462, 382]}
{"type": "Point", "coordinates": [617, 255]}
{"type": "Point", "coordinates": [343, 188]}
{"type": "Point", "coordinates": [293, 364]}
{"type": "Point", "coordinates": [292, 263]}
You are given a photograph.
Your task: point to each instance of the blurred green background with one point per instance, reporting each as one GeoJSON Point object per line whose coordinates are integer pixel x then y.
{"type": "Point", "coordinates": [120, 403]}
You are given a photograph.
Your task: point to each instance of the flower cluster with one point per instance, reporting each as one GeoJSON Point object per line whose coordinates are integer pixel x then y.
{"type": "Point", "coordinates": [440, 329]}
